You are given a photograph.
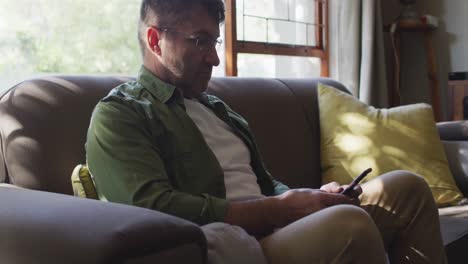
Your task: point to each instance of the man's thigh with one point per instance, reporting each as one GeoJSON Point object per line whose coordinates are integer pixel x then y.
{"type": "Point", "coordinates": [338, 234]}
{"type": "Point", "coordinates": [402, 207]}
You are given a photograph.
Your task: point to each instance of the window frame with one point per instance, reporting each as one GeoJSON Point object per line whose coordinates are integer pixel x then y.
{"type": "Point", "coordinates": [233, 46]}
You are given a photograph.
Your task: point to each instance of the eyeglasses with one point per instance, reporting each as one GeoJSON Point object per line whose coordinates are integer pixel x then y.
{"type": "Point", "coordinates": [202, 43]}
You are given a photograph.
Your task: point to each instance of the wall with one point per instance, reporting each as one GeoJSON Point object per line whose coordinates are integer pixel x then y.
{"type": "Point", "coordinates": [450, 41]}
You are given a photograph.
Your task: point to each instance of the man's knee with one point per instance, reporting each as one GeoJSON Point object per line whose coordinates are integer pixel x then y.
{"type": "Point", "coordinates": [410, 181]}
{"type": "Point", "coordinates": [352, 223]}
{"type": "Point", "coordinates": [336, 234]}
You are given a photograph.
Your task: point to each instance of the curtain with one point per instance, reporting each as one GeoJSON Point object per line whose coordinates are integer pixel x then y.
{"type": "Point", "coordinates": [357, 56]}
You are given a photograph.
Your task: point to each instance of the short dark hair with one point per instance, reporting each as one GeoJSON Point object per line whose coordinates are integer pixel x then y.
{"type": "Point", "coordinates": [170, 12]}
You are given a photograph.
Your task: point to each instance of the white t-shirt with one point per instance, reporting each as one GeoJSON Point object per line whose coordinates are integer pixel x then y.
{"type": "Point", "coordinates": [229, 149]}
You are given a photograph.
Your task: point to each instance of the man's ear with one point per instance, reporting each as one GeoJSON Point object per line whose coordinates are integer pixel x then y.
{"type": "Point", "coordinates": [152, 40]}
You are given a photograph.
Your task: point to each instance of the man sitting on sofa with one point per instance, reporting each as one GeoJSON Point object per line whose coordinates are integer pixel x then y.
{"type": "Point", "coordinates": [162, 143]}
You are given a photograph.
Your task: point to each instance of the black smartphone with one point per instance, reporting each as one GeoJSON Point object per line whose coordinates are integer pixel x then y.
{"type": "Point", "coordinates": [349, 189]}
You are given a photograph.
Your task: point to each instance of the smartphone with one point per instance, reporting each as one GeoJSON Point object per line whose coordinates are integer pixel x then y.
{"type": "Point", "coordinates": [349, 189]}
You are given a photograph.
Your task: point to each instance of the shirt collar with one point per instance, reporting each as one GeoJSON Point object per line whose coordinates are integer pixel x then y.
{"type": "Point", "coordinates": [161, 90]}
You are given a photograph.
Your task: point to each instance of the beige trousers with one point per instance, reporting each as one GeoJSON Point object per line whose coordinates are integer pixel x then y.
{"type": "Point", "coordinates": [399, 217]}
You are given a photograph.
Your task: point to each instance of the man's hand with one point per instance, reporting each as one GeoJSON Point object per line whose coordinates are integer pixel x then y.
{"type": "Point", "coordinates": [298, 203]}
{"type": "Point", "coordinates": [334, 187]}
{"type": "Point", "coordinates": [261, 216]}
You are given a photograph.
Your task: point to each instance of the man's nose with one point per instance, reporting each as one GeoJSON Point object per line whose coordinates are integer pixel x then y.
{"type": "Point", "coordinates": [212, 57]}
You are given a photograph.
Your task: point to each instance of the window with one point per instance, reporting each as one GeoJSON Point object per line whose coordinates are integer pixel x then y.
{"type": "Point", "coordinates": [276, 38]}
{"type": "Point", "coordinates": [67, 36]}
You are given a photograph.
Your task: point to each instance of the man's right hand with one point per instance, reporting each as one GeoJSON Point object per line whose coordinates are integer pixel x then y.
{"type": "Point", "coordinates": [298, 203]}
{"type": "Point", "coordinates": [263, 215]}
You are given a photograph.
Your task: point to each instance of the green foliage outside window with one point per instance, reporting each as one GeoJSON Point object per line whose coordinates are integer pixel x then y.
{"type": "Point", "coordinates": [68, 36]}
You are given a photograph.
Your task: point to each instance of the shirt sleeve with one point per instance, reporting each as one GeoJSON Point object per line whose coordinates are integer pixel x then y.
{"type": "Point", "coordinates": [127, 166]}
{"type": "Point", "coordinates": [279, 187]}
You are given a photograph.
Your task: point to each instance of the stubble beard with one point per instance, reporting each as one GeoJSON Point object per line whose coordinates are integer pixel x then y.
{"type": "Point", "coordinates": [191, 85]}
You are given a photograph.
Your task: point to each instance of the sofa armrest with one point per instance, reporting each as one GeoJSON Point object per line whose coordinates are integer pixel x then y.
{"type": "Point", "coordinates": [453, 130]}
{"type": "Point", "coordinates": [454, 136]}
{"type": "Point", "coordinates": [42, 227]}
{"type": "Point", "coordinates": [457, 156]}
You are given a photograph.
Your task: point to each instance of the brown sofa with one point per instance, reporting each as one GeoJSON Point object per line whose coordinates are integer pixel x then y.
{"type": "Point", "coordinates": [43, 125]}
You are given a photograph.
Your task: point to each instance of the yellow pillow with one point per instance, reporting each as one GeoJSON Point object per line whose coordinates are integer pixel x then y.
{"type": "Point", "coordinates": [355, 136]}
{"type": "Point", "coordinates": [83, 183]}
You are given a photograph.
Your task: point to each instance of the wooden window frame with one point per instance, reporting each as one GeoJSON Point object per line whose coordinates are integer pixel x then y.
{"type": "Point", "coordinates": [233, 46]}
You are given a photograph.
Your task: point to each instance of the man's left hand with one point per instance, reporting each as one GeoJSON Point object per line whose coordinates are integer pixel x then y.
{"type": "Point", "coordinates": [334, 187]}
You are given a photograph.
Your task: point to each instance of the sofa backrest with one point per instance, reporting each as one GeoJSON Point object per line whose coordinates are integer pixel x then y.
{"type": "Point", "coordinates": [283, 116]}
{"type": "Point", "coordinates": [43, 128]}
{"type": "Point", "coordinates": [44, 122]}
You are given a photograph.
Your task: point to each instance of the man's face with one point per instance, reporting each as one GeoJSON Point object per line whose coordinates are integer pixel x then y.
{"type": "Point", "coordinates": [189, 66]}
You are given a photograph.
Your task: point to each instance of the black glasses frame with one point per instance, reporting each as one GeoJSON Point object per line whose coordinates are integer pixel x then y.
{"type": "Point", "coordinates": [202, 43]}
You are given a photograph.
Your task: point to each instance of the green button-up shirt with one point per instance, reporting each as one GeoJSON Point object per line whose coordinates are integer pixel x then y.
{"type": "Point", "coordinates": [143, 149]}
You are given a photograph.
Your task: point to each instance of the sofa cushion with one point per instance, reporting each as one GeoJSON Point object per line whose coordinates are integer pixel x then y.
{"type": "Point", "coordinates": [453, 223]}
{"type": "Point", "coordinates": [355, 136]}
{"type": "Point", "coordinates": [454, 229]}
